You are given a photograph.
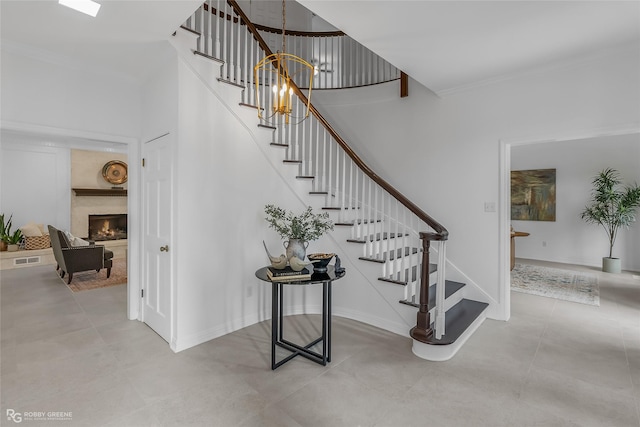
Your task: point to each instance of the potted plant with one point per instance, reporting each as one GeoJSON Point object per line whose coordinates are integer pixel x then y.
{"type": "Point", "coordinates": [612, 206]}
{"type": "Point", "coordinates": [13, 239]}
{"type": "Point", "coordinates": [297, 230]}
{"type": "Point", "coordinates": [4, 228]}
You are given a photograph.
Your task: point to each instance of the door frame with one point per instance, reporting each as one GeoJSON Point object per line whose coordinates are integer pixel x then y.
{"type": "Point", "coordinates": [504, 293]}
{"type": "Point", "coordinates": [83, 140]}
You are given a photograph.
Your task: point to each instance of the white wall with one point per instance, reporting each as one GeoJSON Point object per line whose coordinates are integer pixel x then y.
{"type": "Point", "coordinates": [49, 94]}
{"type": "Point", "coordinates": [569, 239]}
{"type": "Point", "coordinates": [223, 183]}
{"type": "Point", "coordinates": [34, 183]}
{"type": "Point", "coordinates": [444, 153]}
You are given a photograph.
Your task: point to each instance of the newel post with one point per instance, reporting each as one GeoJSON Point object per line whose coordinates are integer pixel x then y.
{"type": "Point", "coordinates": [423, 331]}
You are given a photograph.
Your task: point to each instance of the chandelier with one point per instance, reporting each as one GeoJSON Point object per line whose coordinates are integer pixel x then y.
{"type": "Point", "coordinates": [278, 70]}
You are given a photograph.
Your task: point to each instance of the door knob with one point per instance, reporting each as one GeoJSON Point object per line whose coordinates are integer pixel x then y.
{"type": "Point", "coordinates": [164, 248]}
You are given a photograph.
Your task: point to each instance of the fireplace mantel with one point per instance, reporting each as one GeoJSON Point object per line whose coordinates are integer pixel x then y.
{"type": "Point", "coordinates": [100, 191]}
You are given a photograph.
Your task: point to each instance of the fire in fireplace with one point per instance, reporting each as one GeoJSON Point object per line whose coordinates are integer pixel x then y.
{"type": "Point", "coordinates": [108, 227]}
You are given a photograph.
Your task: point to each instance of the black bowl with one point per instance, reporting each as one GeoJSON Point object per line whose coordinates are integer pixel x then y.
{"type": "Point", "coordinates": [320, 261]}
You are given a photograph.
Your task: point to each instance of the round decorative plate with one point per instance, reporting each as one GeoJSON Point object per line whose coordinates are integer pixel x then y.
{"type": "Point", "coordinates": [115, 172]}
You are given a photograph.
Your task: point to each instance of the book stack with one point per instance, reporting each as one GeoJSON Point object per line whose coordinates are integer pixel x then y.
{"type": "Point", "coordinates": [287, 274]}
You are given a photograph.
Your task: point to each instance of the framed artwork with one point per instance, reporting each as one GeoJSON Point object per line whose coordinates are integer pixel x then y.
{"type": "Point", "coordinates": [533, 195]}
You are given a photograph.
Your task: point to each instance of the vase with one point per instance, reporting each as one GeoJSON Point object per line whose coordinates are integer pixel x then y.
{"type": "Point", "coordinates": [611, 265]}
{"type": "Point", "coordinates": [12, 248]}
{"type": "Point", "coordinates": [3, 245]}
{"type": "Point", "coordinates": [296, 247]}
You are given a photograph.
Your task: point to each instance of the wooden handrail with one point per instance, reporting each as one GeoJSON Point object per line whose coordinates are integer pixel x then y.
{"type": "Point", "coordinates": [299, 32]}
{"type": "Point", "coordinates": [441, 232]}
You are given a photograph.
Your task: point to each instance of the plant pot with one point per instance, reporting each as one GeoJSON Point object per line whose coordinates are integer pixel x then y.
{"type": "Point", "coordinates": [3, 245]}
{"type": "Point", "coordinates": [12, 248]}
{"type": "Point", "coordinates": [611, 265]}
{"type": "Point", "coordinates": [297, 248]}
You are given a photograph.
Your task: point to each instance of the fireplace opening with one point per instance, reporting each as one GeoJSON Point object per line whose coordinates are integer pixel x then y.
{"type": "Point", "coordinates": [107, 227]}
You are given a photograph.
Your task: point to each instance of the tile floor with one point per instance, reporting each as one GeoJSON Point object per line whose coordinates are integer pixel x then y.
{"type": "Point", "coordinates": [554, 363]}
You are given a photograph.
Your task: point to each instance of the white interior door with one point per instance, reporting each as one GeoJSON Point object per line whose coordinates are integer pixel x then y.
{"type": "Point", "coordinates": [157, 174]}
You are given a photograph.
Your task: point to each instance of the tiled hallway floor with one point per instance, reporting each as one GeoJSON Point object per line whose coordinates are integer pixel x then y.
{"type": "Point", "coordinates": [554, 363]}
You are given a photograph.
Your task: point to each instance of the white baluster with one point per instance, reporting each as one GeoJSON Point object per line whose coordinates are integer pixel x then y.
{"type": "Point", "coordinates": [218, 35]}
{"type": "Point", "coordinates": [440, 313]}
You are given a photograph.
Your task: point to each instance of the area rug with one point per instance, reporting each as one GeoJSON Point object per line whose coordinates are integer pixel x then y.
{"type": "Point", "coordinates": [86, 280]}
{"type": "Point", "coordinates": [566, 285]}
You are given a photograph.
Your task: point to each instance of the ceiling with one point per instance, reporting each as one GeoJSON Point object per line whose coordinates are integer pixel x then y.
{"type": "Point", "coordinates": [445, 45]}
{"type": "Point", "coordinates": [125, 36]}
{"type": "Point", "coordinates": [449, 45]}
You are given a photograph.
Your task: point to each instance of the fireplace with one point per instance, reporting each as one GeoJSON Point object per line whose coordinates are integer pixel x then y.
{"type": "Point", "coordinates": [108, 227]}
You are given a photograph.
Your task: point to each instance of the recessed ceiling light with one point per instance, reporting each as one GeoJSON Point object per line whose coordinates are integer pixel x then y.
{"type": "Point", "coordinates": [88, 7]}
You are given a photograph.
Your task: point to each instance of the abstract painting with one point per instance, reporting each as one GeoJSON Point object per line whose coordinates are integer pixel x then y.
{"type": "Point", "coordinates": [533, 195]}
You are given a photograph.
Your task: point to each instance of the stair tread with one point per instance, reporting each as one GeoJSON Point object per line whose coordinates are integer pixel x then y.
{"type": "Point", "coordinates": [458, 319]}
{"type": "Point", "coordinates": [204, 55]}
{"type": "Point", "coordinates": [391, 255]}
{"type": "Point", "coordinates": [277, 144]}
{"type": "Point", "coordinates": [360, 221]}
{"type": "Point", "coordinates": [305, 177]}
{"type": "Point", "coordinates": [260, 125]}
{"type": "Point", "coordinates": [450, 288]}
{"type": "Point", "coordinates": [375, 237]}
{"type": "Point", "coordinates": [297, 162]}
{"type": "Point", "coordinates": [229, 82]}
{"type": "Point", "coordinates": [255, 107]}
{"type": "Point", "coordinates": [190, 30]}
{"type": "Point", "coordinates": [325, 193]}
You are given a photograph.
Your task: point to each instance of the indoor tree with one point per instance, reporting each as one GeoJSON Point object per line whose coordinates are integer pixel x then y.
{"type": "Point", "coordinates": [612, 205]}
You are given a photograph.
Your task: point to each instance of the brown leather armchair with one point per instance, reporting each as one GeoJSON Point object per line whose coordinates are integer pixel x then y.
{"type": "Point", "coordinates": [73, 259]}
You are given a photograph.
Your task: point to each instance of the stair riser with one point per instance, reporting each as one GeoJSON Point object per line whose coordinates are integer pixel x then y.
{"type": "Point", "coordinates": [359, 231]}
{"type": "Point", "coordinates": [401, 263]}
{"type": "Point", "coordinates": [381, 246]}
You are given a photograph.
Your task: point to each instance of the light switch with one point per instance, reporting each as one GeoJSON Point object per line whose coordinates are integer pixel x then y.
{"type": "Point", "coordinates": [489, 206]}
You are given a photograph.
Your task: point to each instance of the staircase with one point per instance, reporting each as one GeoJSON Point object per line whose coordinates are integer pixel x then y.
{"type": "Point", "coordinates": [392, 238]}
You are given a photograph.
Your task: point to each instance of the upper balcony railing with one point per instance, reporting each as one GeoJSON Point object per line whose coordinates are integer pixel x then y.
{"type": "Point", "coordinates": [339, 61]}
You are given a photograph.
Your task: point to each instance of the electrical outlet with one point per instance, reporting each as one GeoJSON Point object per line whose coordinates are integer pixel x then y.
{"type": "Point", "coordinates": [544, 244]}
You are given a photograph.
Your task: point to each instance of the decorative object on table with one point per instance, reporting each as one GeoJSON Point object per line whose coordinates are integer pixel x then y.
{"type": "Point", "coordinates": [339, 269]}
{"type": "Point", "coordinates": [115, 172]}
{"type": "Point", "coordinates": [288, 274]}
{"type": "Point", "coordinates": [568, 285]}
{"type": "Point", "coordinates": [533, 195]}
{"type": "Point", "coordinates": [320, 261]}
{"type": "Point", "coordinates": [297, 264]}
{"type": "Point", "coordinates": [276, 262]}
{"type": "Point", "coordinates": [295, 248]}
{"type": "Point", "coordinates": [612, 207]}
{"type": "Point", "coordinates": [298, 229]}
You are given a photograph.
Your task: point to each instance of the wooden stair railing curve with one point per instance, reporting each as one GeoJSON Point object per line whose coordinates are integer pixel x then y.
{"type": "Point", "coordinates": [422, 331]}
